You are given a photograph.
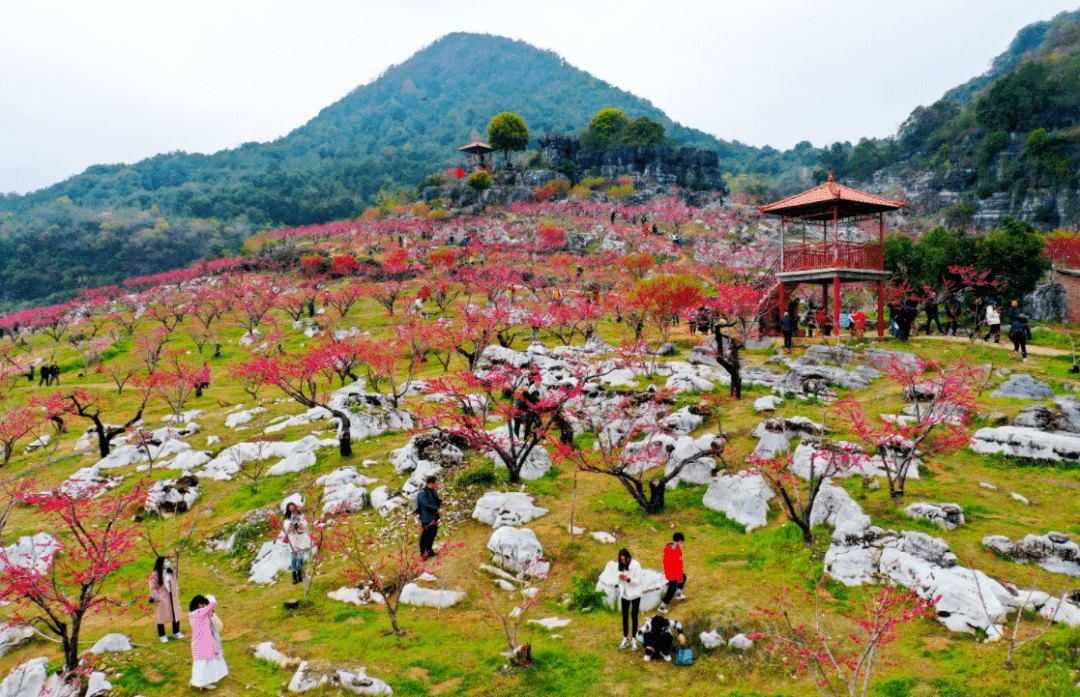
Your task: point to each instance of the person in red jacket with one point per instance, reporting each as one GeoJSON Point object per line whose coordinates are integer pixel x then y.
{"type": "Point", "coordinates": [673, 571]}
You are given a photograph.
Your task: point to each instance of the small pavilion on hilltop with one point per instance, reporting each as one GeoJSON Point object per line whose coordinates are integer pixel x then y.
{"type": "Point", "coordinates": [477, 155]}
{"type": "Point", "coordinates": [832, 261]}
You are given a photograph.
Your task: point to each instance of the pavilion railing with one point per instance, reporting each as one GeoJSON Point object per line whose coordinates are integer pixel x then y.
{"type": "Point", "coordinates": [827, 255]}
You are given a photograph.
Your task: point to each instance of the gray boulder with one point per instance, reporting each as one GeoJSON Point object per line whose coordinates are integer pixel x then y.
{"type": "Point", "coordinates": [744, 498]}
{"type": "Point", "coordinates": [519, 550]}
{"type": "Point", "coordinates": [948, 515]}
{"type": "Point", "coordinates": [1032, 443]}
{"type": "Point", "coordinates": [1023, 386]}
{"type": "Point", "coordinates": [830, 355]}
{"type": "Point", "coordinates": [1044, 419]}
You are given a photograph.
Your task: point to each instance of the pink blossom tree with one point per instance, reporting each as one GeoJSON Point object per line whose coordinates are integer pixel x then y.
{"type": "Point", "coordinates": [65, 585]}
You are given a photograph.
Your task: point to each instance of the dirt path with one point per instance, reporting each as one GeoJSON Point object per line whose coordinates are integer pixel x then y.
{"type": "Point", "coordinates": [1032, 349]}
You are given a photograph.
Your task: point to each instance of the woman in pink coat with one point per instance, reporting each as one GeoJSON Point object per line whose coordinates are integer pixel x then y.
{"type": "Point", "coordinates": [165, 594]}
{"type": "Point", "coordinates": [209, 659]}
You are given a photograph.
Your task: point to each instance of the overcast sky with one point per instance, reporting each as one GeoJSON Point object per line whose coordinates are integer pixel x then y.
{"type": "Point", "coordinates": [103, 81]}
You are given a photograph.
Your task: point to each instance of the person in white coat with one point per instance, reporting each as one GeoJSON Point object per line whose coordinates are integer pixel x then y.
{"type": "Point", "coordinates": [993, 318]}
{"type": "Point", "coordinates": [629, 597]}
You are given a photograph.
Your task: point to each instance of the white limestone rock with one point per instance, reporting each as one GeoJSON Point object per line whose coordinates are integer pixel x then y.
{"type": "Point", "coordinates": [343, 490]}
{"type": "Point", "coordinates": [13, 635]}
{"type": "Point", "coordinates": [537, 462]}
{"type": "Point", "coordinates": [740, 642]}
{"type": "Point", "coordinates": [172, 495]}
{"type": "Point", "coordinates": [413, 594]}
{"type": "Point", "coordinates": [742, 497]}
{"type": "Point", "coordinates": [111, 643]}
{"type": "Point", "coordinates": [1023, 386]}
{"type": "Point", "coordinates": [551, 622]}
{"type": "Point", "coordinates": [767, 403]}
{"type": "Point", "coordinates": [499, 508]}
{"type": "Point", "coordinates": [240, 418]}
{"type": "Point", "coordinates": [948, 515]}
{"type": "Point", "coordinates": [519, 550]}
{"type": "Point", "coordinates": [267, 652]}
{"type": "Point", "coordinates": [603, 537]}
{"type": "Point", "coordinates": [30, 552]}
{"type": "Point", "coordinates": [711, 639]}
{"type": "Point", "coordinates": [1031, 443]}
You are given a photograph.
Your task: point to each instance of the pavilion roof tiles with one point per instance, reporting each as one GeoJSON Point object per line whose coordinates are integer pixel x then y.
{"type": "Point", "coordinates": [477, 145]}
{"type": "Point", "coordinates": [820, 201]}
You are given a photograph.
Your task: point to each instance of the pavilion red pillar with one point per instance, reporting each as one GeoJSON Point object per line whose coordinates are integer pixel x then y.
{"type": "Point", "coordinates": [881, 309]}
{"type": "Point", "coordinates": [783, 299]}
{"type": "Point", "coordinates": [836, 303]}
{"type": "Point", "coordinates": [825, 298]}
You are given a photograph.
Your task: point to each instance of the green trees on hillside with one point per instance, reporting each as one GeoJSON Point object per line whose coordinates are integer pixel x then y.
{"type": "Point", "coordinates": [507, 133]}
{"type": "Point", "coordinates": [611, 127]}
{"type": "Point", "coordinates": [1013, 253]}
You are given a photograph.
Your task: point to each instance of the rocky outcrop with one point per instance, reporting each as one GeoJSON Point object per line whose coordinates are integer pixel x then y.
{"type": "Point", "coordinates": [670, 166]}
{"type": "Point", "coordinates": [1047, 303]}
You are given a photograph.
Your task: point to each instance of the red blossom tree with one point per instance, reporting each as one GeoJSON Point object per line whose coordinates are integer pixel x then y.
{"type": "Point", "coordinates": [944, 399]}
{"type": "Point", "coordinates": [841, 662]}
{"type": "Point", "coordinates": [305, 377]}
{"type": "Point", "coordinates": [17, 422]}
{"type": "Point", "coordinates": [93, 543]}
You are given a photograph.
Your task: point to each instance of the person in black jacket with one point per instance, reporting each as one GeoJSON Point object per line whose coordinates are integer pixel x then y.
{"type": "Point", "coordinates": [54, 373]}
{"type": "Point", "coordinates": [657, 636]}
{"type": "Point", "coordinates": [46, 376]}
{"type": "Point", "coordinates": [428, 505]}
{"type": "Point", "coordinates": [1020, 333]}
{"type": "Point", "coordinates": [1013, 312]}
{"type": "Point", "coordinates": [908, 314]}
{"type": "Point", "coordinates": [931, 308]}
{"type": "Point", "coordinates": [953, 310]}
{"type": "Point", "coordinates": [787, 328]}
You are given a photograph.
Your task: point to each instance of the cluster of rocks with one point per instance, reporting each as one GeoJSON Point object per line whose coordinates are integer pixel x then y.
{"type": "Point", "coordinates": [966, 599]}
{"type": "Point", "coordinates": [172, 496]}
{"type": "Point", "coordinates": [670, 166]}
{"type": "Point", "coordinates": [1054, 551]}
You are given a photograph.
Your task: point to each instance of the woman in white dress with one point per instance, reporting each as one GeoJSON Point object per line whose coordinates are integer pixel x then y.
{"type": "Point", "coordinates": [209, 658]}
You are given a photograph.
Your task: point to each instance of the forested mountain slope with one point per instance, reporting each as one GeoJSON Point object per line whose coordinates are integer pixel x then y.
{"type": "Point", "coordinates": [118, 220]}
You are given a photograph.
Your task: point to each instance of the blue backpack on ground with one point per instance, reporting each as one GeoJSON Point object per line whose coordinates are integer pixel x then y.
{"type": "Point", "coordinates": [684, 656]}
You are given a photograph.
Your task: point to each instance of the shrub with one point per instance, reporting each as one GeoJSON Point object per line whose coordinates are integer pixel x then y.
{"type": "Point", "coordinates": [480, 474]}
{"type": "Point", "coordinates": [594, 182]}
{"type": "Point", "coordinates": [479, 181]}
{"type": "Point", "coordinates": [554, 188]}
{"type": "Point", "coordinates": [431, 180]}
{"type": "Point", "coordinates": [312, 263]}
{"type": "Point", "coordinates": [580, 192]}
{"type": "Point", "coordinates": [621, 191]}
{"type": "Point", "coordinates": [438, 214]}
{"type": "Point", "coordinates": [583, 591]}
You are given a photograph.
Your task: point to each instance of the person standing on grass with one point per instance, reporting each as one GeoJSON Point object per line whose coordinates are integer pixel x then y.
{"type": "Point", "coordinates": [629, 598]}
{"type": "Point", "coordinates": [787, 328]}
{"type": "Point", "coordinates": [299, 539]}
{"type": "Point", "coordinates": [1013, 311]}
{"type": "Point", "coordinates": [209, 664]}
{"type": "Point", "coordinates": [658, 635]}
{"type": "Point", "coordinates": [993, 318]}
{"type": "Point", "coordinates": [932, 317]}
{"type": "Point", "coordinates": [428, 505]}
{"type": "Point", "coordinates": [1020, 333]}
{"type": "Point", "coordinates": [953, 310]}
{"type": "Point", "coordinates": [165, 595]}
{"type": "Point", "coordinates": [673, 571]}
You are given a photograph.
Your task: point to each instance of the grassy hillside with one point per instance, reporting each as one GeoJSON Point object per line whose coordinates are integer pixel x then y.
{"type": "Point", "coordinates": [456, 650]}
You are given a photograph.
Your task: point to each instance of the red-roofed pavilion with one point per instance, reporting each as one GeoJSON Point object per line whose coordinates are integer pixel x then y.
{"type": "Point", "coordinates": [477, 154]}
{"type": "Point", "coordinates": [832, 261]}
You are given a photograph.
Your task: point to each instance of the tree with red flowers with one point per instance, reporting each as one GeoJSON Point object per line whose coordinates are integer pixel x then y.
{"type": "Point", "coordinates": [305, 377]}
{"type": "Point", "coordinates": [944, 399]}
{"type": "Point", "coordinates": [662, 298]}
{"type": "Point", "coordinates": [841, 662]}
{"type": "Point", "coordinates": [473, 400]}
{"type": "Point", "coordinates": [384, 576]}
{"type": "Point", "coordinates": [90, 404]}
{"type": "Point", "coordinates": [736, 313]}
{"type": "Point", "coordinates": [630, 441]}
{"type": "Point", "coordinates": [17, 422]}
{"type": "Point", "coordinates": [66, 584]}
{"type": "Point", "coordinates": [343, 298]}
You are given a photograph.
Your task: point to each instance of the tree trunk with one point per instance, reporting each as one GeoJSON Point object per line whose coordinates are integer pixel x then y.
{"type": "Point", "coordinates": [103, 439]}
{"type": "Point", "coordinates": [345, 439]}
{"type": "Point", "coordinates": [657, 487]}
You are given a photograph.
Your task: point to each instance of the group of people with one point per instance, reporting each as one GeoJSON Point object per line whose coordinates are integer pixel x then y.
{"type": "Point", "coordinates": [657, 636]}
{"type": "Point", "coordinates": [700, 320]}
{"type": "Point", "coordinates": [49, 374]}
{"type": "Point", "coordinates": [904, 316]}
{"type": "Point", "coordinates": [208, 665]}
